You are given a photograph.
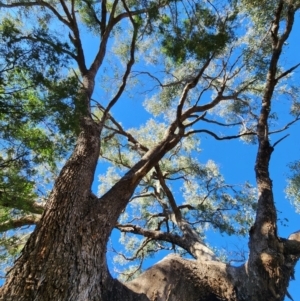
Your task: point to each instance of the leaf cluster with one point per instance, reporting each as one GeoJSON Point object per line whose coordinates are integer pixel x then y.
{"type": "Point", "coordinates": [198, 34]}
{"type": "Point", "coordinates": [38, 113]}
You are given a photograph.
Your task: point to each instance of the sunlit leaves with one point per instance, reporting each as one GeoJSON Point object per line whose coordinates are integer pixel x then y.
{"type": "Point", "coordinates": [207, 201]}
{"type": "Point", "coordinates": [293, 187]}
{"type": "Point", "coordinates": [216, 202]}
{"type": "Point", "coordinates": [11, 245]}
{"type": "Point", "coordinates": [38, 119]}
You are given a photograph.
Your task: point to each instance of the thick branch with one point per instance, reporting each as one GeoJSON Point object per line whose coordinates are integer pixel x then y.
{"type": "Point", "coordinates": [292, 244]}
{"type": "Point", "coordinates": [19, 222]}
{"type": "Point", "coordinates": [175, 278]}
{"type": "Point", "coordinates": [102, 48]}
{"type": "Point", "coordinates": [266, 218]}
{"type": "Point", "coordinates": [76, 40]}
{"type": "Point", "coordinates": [266, 249]}
{"type": "Point", "coordinates": [103, 17]}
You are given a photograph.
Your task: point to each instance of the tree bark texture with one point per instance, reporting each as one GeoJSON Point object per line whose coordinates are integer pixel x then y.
{"type": "Point", "coordinates": [65, 257]}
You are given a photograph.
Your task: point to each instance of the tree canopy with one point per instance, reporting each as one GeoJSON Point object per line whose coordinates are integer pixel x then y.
{"type": "Point", "coordinates": [178, 72]}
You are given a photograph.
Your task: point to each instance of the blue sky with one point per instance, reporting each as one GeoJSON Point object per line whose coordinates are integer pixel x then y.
{"type": "Point", "coordinates": [235, 160]}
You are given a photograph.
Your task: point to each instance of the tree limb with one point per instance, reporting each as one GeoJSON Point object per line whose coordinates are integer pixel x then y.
{"type": "Point", "coordinates": [20, 222]}
{"type": "Point", "coordinates": [292, 244]}
{"type": "Point", "coordinates": [218, 137]}
{"type": "Point", "coordinates": [286, 72]}
{"type": "Point", "coordinates": [128, 67]}
{"type": "Point", "coordinates": [37, 3]}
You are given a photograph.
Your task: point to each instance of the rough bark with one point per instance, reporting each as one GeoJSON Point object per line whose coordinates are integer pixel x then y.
{"type": "Point", "coordinates": [43, 272]}
{"type": "Point", "coordinates": [64, 259]}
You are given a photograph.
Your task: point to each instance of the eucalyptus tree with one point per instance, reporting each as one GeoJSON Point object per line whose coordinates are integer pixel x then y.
{"type": "Point", "coordinates": [197, 67]}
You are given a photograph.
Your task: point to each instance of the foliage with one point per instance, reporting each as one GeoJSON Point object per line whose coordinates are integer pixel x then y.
{"type": "Point", "coordinates": [201, 47]}
{"type": "Point", "coordinates": [294, 184]}
{"type": "Point", "coordinates": [37, 118]}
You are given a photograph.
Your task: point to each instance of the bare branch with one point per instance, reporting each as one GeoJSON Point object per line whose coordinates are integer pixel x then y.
{"type": "Point", "coordinates": [103, 17]}
{"type": "Point", "coordinates": [67, 12]}
{"type": "Point", "coordinates": [119, 130]}
{"type": "Point", "coordinates": [169, 194]}
{"type": "Point", "coordinates": [287, 72]}
{"type": "Point", "coordinates": [286, 126]}
{"type": "Point", "coordinates": [37, 3]}
{"type": "Point", "coordinates": [217, 137]}
{"type": "Point", "coordinates": [279, 140]}
{"type": "Point", "coordinates": [220, 123]}
{"type": "Point", "coordinates": [128, 67]}
{"type": "Point", "coordinates": [155, 235]}
{"type": "Point", "coordinates": [192, 84]}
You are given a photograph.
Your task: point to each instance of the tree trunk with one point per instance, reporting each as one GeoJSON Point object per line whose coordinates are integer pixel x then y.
{"type": "Point", "coordinates": [55, 262]}
{"type": "Point", "coordinates": [65, 257]}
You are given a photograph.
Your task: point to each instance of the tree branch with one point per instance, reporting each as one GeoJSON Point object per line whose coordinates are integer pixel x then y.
{"type": "Point", "coordinates": [35, 38]}
{"type": "Point", "coordinates": [89, 5]}
{"type": "Point", "coordinates": [67, 12]}
{"type": "Point", "coordinates": [286, 72]}
{"type": "Point", "coordinates": [278, 141]}
{"type": "Point", "coordinates": [38, 3]}
{"type": "Point", "coordinates": [19, 222]}
{"type": "Point", "coordinates": [169, 194]}
{"type": "Point", "coordinates": [157, 235]}
{"type": "Point", "coordinates": [292, 244]}
{"type": "Point", "coordinates": [189, 86]}
{"type": "Point", "coordinates": [102, 48]}
{"type": "Point", "coordinates": [286, 126]}
{"type": "Point", "coordinates": [217, 137]}
{"type": "Point", "coordinates": [128, 67]}
{"type": "Point", "coordinates": [103, 17]}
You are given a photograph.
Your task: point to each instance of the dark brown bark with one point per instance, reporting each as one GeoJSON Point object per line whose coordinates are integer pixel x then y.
{"type": "Point", "coordinates": [64, 259]}
{"type": "Point", "coordinates": [58, 251]}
